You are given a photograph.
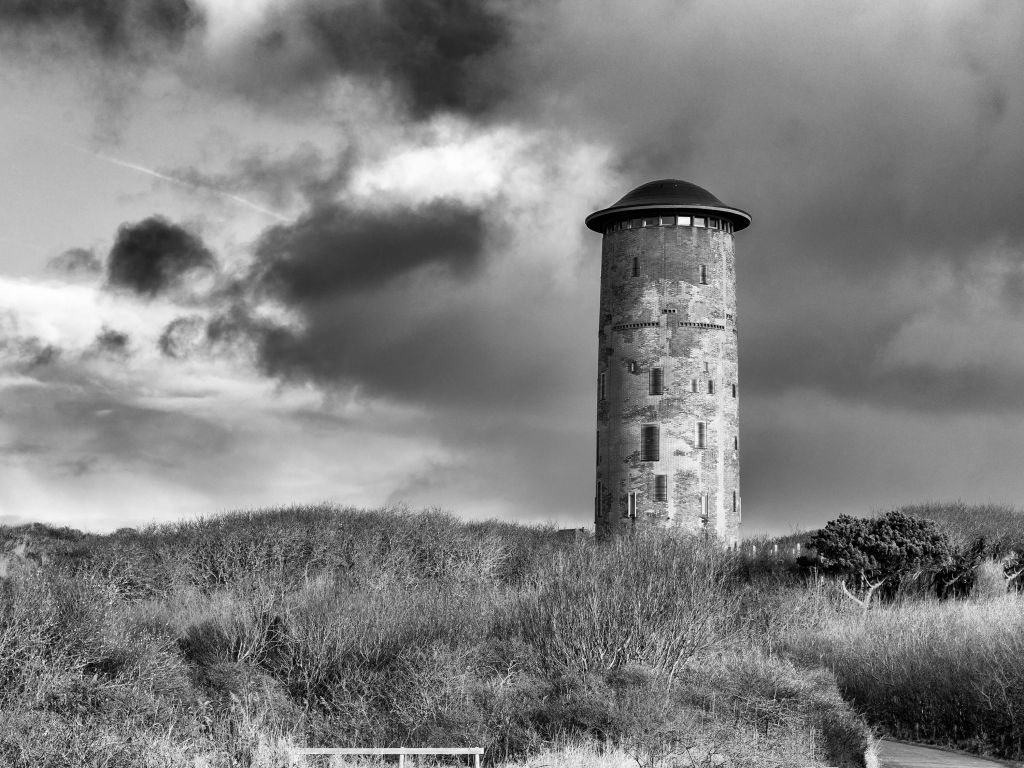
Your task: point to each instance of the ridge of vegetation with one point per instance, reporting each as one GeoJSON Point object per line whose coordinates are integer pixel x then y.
{"type": "Point", "coordinates": [231, 639]}
{"type": "Point", "coordinates": [227, 641]}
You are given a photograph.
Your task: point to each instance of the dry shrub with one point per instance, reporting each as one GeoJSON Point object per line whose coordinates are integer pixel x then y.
{"type": "Point", "coordinates": [221, 642]}
{"type": "Point", "coordinates": [989, 580]}
{"type": "Point", "coordinates": [646, 600]}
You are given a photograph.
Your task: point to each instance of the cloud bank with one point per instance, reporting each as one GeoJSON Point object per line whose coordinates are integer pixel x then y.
{"type": "Point", "coordinates": [434, 266]}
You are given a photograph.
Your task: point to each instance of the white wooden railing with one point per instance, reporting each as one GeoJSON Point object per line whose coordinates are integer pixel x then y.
{"type": "Point", "coordinates": [402, 752]}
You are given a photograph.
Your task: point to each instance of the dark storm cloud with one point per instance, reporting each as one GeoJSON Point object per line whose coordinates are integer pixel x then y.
{"type": "Point", "coordinates": [335, 250]}
{"type": "Point", "coordinates": [863, 150]}
{"type": "Point", "coordinates": [434, 55]}
{"type": "Point", "coordinates": [153, 255]}
{"type": "Point", "coordinates": [115, 27]}
{"type": "Point", "coordinates": [359, 281]}
{"type": "Point", "coordinates": [76, 262]}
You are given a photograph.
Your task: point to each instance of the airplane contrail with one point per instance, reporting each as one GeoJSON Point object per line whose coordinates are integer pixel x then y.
{"type": "Point", "coordinates": [182, 182]}
{"type": "Point", "coordinates": [148, 171]}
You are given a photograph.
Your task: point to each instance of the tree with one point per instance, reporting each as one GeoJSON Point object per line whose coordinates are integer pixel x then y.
{"type": "Point", "coordinates": [877, 552]}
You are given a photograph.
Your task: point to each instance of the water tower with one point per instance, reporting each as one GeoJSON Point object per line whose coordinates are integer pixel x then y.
{"type": "Point", "coordinates": [667, 381]}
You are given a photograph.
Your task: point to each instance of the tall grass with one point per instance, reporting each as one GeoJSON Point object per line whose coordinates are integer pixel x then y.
{"type": "Point", "coordinates": [944, 672]}
{"type": "Point", "coordinates": [226, 640]}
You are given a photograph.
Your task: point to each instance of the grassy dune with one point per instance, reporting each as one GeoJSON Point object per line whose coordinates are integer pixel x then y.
{"type": "Point", "coordinates": [227, 641]}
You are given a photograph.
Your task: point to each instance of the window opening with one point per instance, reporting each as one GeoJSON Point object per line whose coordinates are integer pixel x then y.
{"type": "Point", "coordinates": [711, 386]}
{"type": "Point", "coordinates": [657, 382]}
{"type": "Point", "coordinates": [735, 442]}
{"type": "Point", "coordinates": [700, 221]}
{"type": "Point", "coordinates": [631, 505]}
{"type": "Point", "coordinates": [684, 221]}
{"type": "Point", "coordinates": [650, 448]}
{"type": "Point", "coordinates": [693, 385]}
{"type": "Point", "coordinates": [636, 267]}
{"type": "Point", "coordinates": [602, 385]}
{"type": "Point", "coordinates": [661, 487]}
{"type": "Point", "coordinates": [734, 390]}
{"type": "Point", "coordinates": [713, 223]}
{"type": "Point", "coordinates": [633, 366]}
{"type": "Point", "coordinates": [704, 510]}
{"type": "Point", "coordinates": [703, 274]}
{"type": "Point", "coordinates": [598, 446]}
{"type": "Point", "coordinates": [702, 434]}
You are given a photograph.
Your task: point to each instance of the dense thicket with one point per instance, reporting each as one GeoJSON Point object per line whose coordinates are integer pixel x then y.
{"type": "Point", "coordinates": [231, 639]}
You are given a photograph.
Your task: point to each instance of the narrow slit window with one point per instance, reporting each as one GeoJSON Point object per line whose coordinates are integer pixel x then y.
{"type": "Point", "coordinates": [734, 390]}
{"type": "Point", "coordinates": [736, 507]}
{"type": "Point", "coordinates": [684, 221]}
{"type": "Point", "coordinates": [598, 446]}
{"type": "Point", "coordinates": [597, 502]}
{"type": "Point", "coordinates": [657, 383]}
{"type": "Point", "coordinates": [711, 386]}
{"type": "Point", "coordinates": [702, 434]}
{"type": "Point", "coordinates": [661, 487]}
{"type": "Point", "coordinates": [633, 366]}
{"type": "Point", "coordinates": [703, 274]}
{"type": "Point", "coordinates": [636, 266]}
{"type": "Point", "coordinates": [631, 505]}
{"type": "Point", "coordinates": [602, 385]}
{"type": "Point", "coordinates": [650, 443]}
{"type": "Point", "coordinates": [704, 509]}
{"type": "Point", "coordinates": [693, 385]}
{"type": "Point", "coordinates": [735, 442]}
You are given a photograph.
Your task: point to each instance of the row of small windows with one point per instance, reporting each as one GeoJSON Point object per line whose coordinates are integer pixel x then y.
{"type": "Point", "coordinates": [707, 222]}
{"type": "Point", "coordinates": [630, 326]}
{"type": "Point", "coordinates": [657, 324]}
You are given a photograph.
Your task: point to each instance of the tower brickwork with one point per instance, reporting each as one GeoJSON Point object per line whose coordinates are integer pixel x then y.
{"type": "Point", "coordinates": [668, 376]}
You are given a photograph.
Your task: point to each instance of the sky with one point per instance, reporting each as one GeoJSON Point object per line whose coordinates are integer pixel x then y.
{"type": "Point", "coordinates": [267, 252]}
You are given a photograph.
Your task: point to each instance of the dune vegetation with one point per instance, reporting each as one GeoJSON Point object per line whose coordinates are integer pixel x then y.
{"type": "Point", "coordinates": [230, 640]}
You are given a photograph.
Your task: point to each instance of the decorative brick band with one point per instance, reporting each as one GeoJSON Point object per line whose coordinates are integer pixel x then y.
{"type": "Point", "coordinates": [629, 326]}
{"type": "Point", "coordinates": [714, 326]}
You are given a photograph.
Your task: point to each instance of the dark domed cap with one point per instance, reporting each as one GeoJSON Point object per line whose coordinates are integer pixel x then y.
{"type": "Point", "coordinates": [667, 195]}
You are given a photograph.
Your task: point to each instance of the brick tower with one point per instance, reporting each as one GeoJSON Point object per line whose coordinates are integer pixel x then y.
{"type": "Point", "coordinates": [668, 387]}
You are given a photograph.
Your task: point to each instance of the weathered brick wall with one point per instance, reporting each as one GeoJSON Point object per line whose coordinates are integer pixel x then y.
{"type": "Point", "coordinates": [693, 339]}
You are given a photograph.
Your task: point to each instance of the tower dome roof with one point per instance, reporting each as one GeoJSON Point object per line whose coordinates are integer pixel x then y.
{"type": "Point", "coordinates": [667, 195]}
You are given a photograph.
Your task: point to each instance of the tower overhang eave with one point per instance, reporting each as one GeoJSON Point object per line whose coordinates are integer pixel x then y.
{"type": "Point", "coordinates": [599, 219]}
